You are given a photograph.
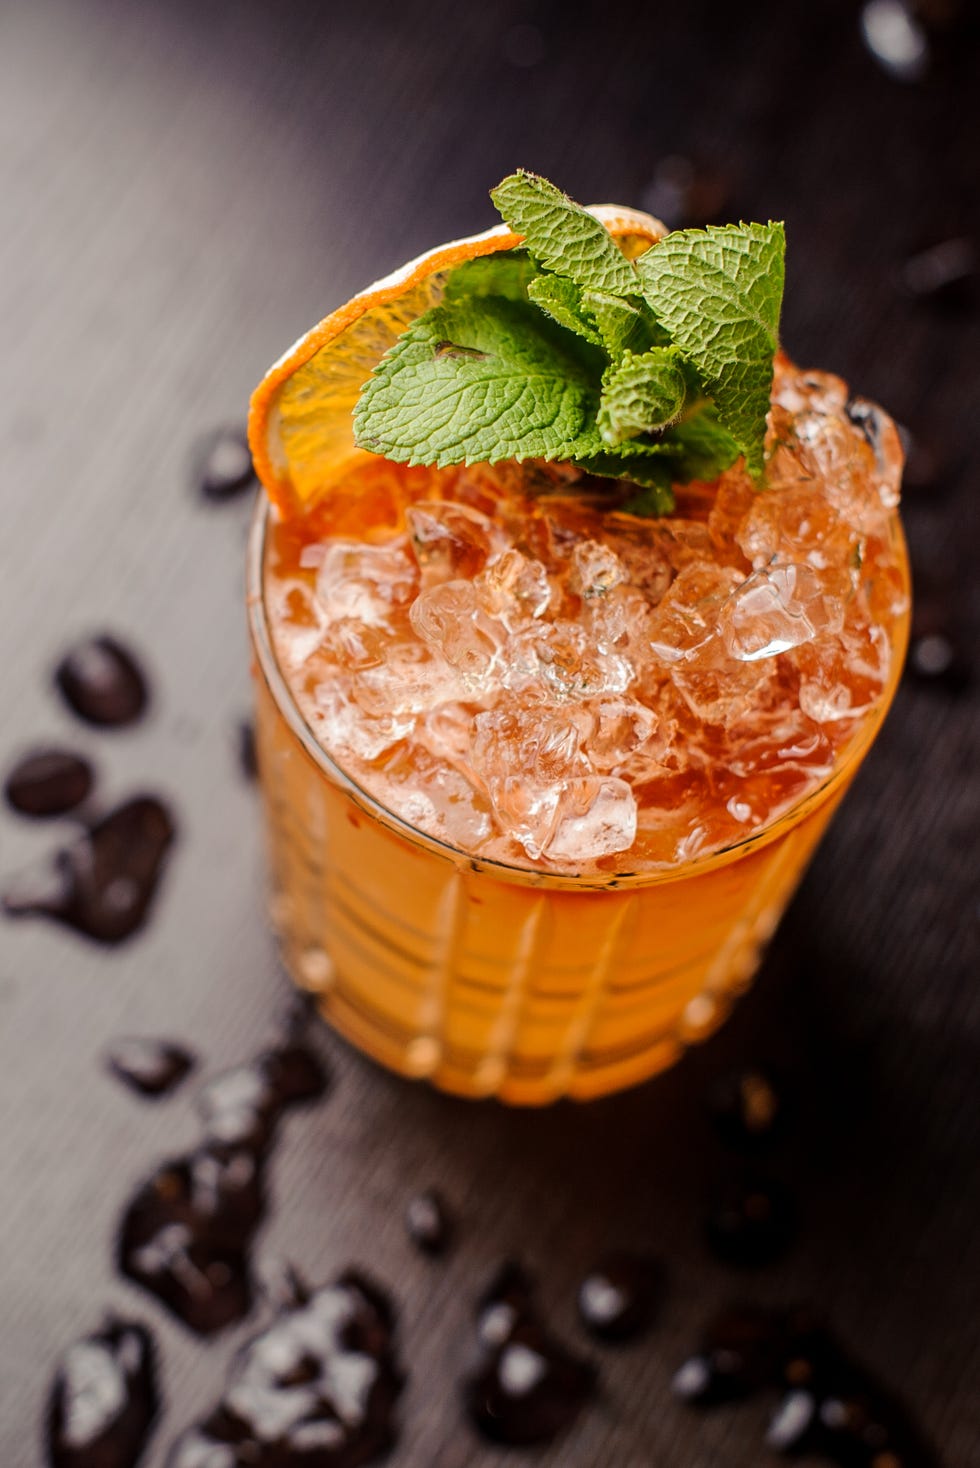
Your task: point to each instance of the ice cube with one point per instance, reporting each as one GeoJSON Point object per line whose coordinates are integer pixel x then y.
{"type": "Point", "coordinates": [452, 541]}
{"type": "Point", "coordinates": [776, 609]}
{"type": "Point", "coordinates": [463, 815]}
{"type": "Point", "coordinates": [883, 437]}
{"type": "Point", "coordinates": [447, 733]}
{"type": "Point", "coordinates": [683, 543]}
{"type": "Point", "coordinates": [885, 588]}
{"type": "Point", "coordinates": [344, 728]}
{"type": "Point", "coordinates": [526, 810]}
{"type": "Point", "coordinates": [354, 645]}
{"type": "Point", "coordinates": [595, 570]}
{"type": "Point", "coordinates": [732, 502]}
{"type": "Point", "coordinates": [564, 662]}
{"type": "Point", "coordinates": [788, 467]}
{"type": "Point", "coordinates": [624, 730]}
{"type": "Point", "coordinates": [534, 535]}
{"type": "Point", "coordinates": [595, 817]}
{"type": "Point", "coordinates": [410, 680]}
{"type": "Point", "coordinates": [825, 693]}
{"type": "Point", "coordinates": [687, 616]}
{"type": "Point", "coordinates": [436, 797]}
{"type": "Point", "coordinates": [539, 743]}
{"type": "Point", "coordinates": [795, 391]}
{"type": "Point", "coordinates": [525, 758]}
{"type": "Point", "coordinates": [513, 587]}
{"type": "Point", "coordinates": [367, 582]}
{"type": "Point", "coordinates": [850, 453]}
{"type": "Point", "coordinates": [796, 524]}
{"type": "Point", "coordinates": [620, 621]}
{"type": "Point", "coordinates": [718, 688]}
{"type": "Point", "coordinates": [823, 392]}
{"type": "Point", "coordinates": [298, 620]}
{"type": "Point", "coordinates": [645, 551]}
{"type": "Point", "coordinates": [841, 677]}
{"type": "Point", "coordinates": [845, 463]}
{"type": "Point", "coordinates": [780, 738]}
{"type": "Point", "coordinates": [452, 620]}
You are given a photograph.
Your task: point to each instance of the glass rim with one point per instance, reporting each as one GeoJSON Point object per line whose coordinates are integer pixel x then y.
{"type": "Point", "coordinates": [849, 758]}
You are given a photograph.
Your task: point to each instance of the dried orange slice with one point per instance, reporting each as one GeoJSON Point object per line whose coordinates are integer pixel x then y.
{"type": "Point", "coordinates": [301, 420]}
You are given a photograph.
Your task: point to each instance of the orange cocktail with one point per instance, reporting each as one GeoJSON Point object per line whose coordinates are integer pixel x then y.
{"type": "Point", "coordinates": [541, 772]}
{"type": "Point", "coordinates": [432, 937]}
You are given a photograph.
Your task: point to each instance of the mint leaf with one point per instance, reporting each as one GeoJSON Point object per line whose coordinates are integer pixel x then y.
{"type": "Point", "coordinates": [695, 448]}
{"type": "Point", "coordinates": [641, 394]}
{"type": "Point", "coordinates": [652, 472]}
{"type": "Point", "coordinates": [479, 381]}
{"type": "Point", "coordinates": [504, 273]}
{"type": "Point", "coordinates": [562, 299]}
{"type": "Point", "coordinates": [646, 462]}
{"type": "Point", "coordinates": [624, 325]}
{"type": "Point", "coordinates": [650, 500]}
{"type": "Point", "coordinates": [563, 236]}
{"type": "Point", "coordinates": [718, 292]}
{"type": "Point", "coordinates": [700, 447]}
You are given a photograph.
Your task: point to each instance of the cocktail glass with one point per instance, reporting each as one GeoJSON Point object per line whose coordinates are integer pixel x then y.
{"type": "Point", "coordinates": [495, 980]}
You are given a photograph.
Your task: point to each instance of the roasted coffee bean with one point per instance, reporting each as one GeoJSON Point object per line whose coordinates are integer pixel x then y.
{"type": "Point", "coordinates": [48, 782]}
{"type": "Point", "coordinates": [223, 464]}
{"type": "Point", "coordinates": [104, 1399]}
{"type": "Point", "coordinates": [428, 1222]}
{"type": "Point", "coordinates": [318, 1386]}
{"type": "Point", "coordinates": [102, 682]}
{"type": "Point", "coordinates": [751, 1221]}
{"type": "Point", "coordinates": [619, 1296]}
{"type": "Point", "coordinates": [151, 1067]}
{"type": "Point", "coordinates": [104, 883]}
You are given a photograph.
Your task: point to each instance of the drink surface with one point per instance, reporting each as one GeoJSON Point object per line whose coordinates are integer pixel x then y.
{"type": "Point", "coordinates": [508, 663]}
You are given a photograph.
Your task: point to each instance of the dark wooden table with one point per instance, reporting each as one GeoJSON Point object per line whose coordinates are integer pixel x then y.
{"type": "Point", "coordinates": [186, 187]}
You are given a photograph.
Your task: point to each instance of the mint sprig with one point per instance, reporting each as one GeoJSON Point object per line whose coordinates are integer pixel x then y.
{"type": "Point", "coordinates": [657, 371]}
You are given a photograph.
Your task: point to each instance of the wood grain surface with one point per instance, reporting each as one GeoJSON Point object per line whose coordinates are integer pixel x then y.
{"type": "Point", "coordinates": [185, 187]}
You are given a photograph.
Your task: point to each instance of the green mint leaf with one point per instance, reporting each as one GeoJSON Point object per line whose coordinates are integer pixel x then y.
{"type": "Point", "coordinates": [646, 462]}
{"type": "Point", "coordinates": [624, 325]}
{"type": "Point", "coordinates": [650, 501]}
{"type": "Point", "coordinates": [700, 447]}
{"type": "Point", "coordinates": [504, 273]}
{"type": "Point", "coordinates": [641, 394]}
{"type": "Point", "coordinates": [563, 236]}
{"type": "Point", "coordinates": [562, 299]}
{"type": "Point", "coordinates": [718, 292]}
{"type": "Point", "coordinates": [652, 475]}
{"type": "Point", "coordinates": [695, 448]}
{"type": "Point", "coordinates": [476, 382]}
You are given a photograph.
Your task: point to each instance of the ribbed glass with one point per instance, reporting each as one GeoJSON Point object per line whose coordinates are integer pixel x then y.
{"type": "Point", "coordinates": [490, 980]}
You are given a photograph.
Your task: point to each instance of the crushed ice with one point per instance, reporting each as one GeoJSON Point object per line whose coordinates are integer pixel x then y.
{"type": "Point", "coordinates": [529, 674]}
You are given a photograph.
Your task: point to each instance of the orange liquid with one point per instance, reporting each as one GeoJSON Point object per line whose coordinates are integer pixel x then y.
{"type": "Point", "coordinates": [497, 978]}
